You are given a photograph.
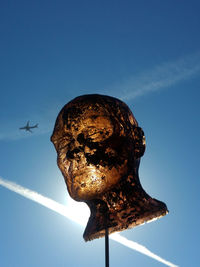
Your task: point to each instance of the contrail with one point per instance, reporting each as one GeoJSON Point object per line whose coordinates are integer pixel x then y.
{"type": "Point", "coordinates": [135, 246]}
{"type": "Point", "coordinates": [157, 78]}
{"type": "Point", "coordinates": [65, 211]}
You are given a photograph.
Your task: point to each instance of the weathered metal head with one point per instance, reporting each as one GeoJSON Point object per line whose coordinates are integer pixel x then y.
{"type": "Point", "coordinates": [99, 146]}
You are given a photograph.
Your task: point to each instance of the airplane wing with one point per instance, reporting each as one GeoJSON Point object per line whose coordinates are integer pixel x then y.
{"type": "Point", "coordinates": [34, 126]}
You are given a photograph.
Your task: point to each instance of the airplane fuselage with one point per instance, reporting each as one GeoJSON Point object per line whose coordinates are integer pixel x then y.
{"type": "Point", "coordinates": [28, 128]}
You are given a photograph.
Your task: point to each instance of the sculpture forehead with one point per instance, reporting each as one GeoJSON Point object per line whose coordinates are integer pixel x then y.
{"type": "Point", "coordinates": [96, 105]}
{"type": "Point", "coordinates": [92, 110]}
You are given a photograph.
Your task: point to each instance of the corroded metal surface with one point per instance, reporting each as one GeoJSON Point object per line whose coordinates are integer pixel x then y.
{"type": "Point", "coordinates": [99, 146]}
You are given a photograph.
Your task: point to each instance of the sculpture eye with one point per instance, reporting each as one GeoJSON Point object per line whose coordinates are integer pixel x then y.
{"type": "Point", "coordinates": [71, 154]}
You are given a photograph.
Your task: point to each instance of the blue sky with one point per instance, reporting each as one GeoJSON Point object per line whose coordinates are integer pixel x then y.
{"type": "Point", "coordinates": [146, 53]}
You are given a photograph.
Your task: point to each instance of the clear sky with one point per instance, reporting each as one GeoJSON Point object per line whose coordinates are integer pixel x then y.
{"type": "Point", "coordinates": [146, 53]}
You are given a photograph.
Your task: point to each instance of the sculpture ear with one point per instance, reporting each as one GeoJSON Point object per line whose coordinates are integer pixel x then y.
{"type": "Point", "coordinates": [139, 142]}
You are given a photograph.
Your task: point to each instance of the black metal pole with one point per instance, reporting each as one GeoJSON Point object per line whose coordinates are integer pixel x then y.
{"type": "Point", "coordinates": [106, 248]}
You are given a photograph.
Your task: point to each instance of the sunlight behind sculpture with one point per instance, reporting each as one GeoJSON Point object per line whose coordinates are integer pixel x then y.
{"type": "Point", "coordinates": [99, 146]}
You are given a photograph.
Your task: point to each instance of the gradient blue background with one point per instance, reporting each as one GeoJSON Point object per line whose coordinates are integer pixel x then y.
{"type": "Point", "coordinates": [52, 51]}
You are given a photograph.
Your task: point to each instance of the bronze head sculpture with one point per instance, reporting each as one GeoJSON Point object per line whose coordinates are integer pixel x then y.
{"type": "Point", "coordinates": [99, 146]}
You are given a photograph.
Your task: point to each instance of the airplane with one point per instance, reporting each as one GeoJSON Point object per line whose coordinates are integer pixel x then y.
{"type": "Point", "coordinates": [28, 127]}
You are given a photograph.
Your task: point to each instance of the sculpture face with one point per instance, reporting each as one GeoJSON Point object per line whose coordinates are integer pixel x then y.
{"type": "Point", "coordinates": [99, 145]}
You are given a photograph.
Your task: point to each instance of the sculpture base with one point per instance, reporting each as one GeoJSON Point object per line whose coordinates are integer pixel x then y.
{"type": "Point", "coordinates": [125, 219]}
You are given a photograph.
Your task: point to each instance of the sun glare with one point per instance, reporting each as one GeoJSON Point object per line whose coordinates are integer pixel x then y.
{"type": "Point", "coordinates": [79, 211]}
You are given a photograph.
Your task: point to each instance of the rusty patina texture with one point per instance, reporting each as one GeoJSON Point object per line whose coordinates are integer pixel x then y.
{"type": "Point", "coordinates": [99, 146]}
